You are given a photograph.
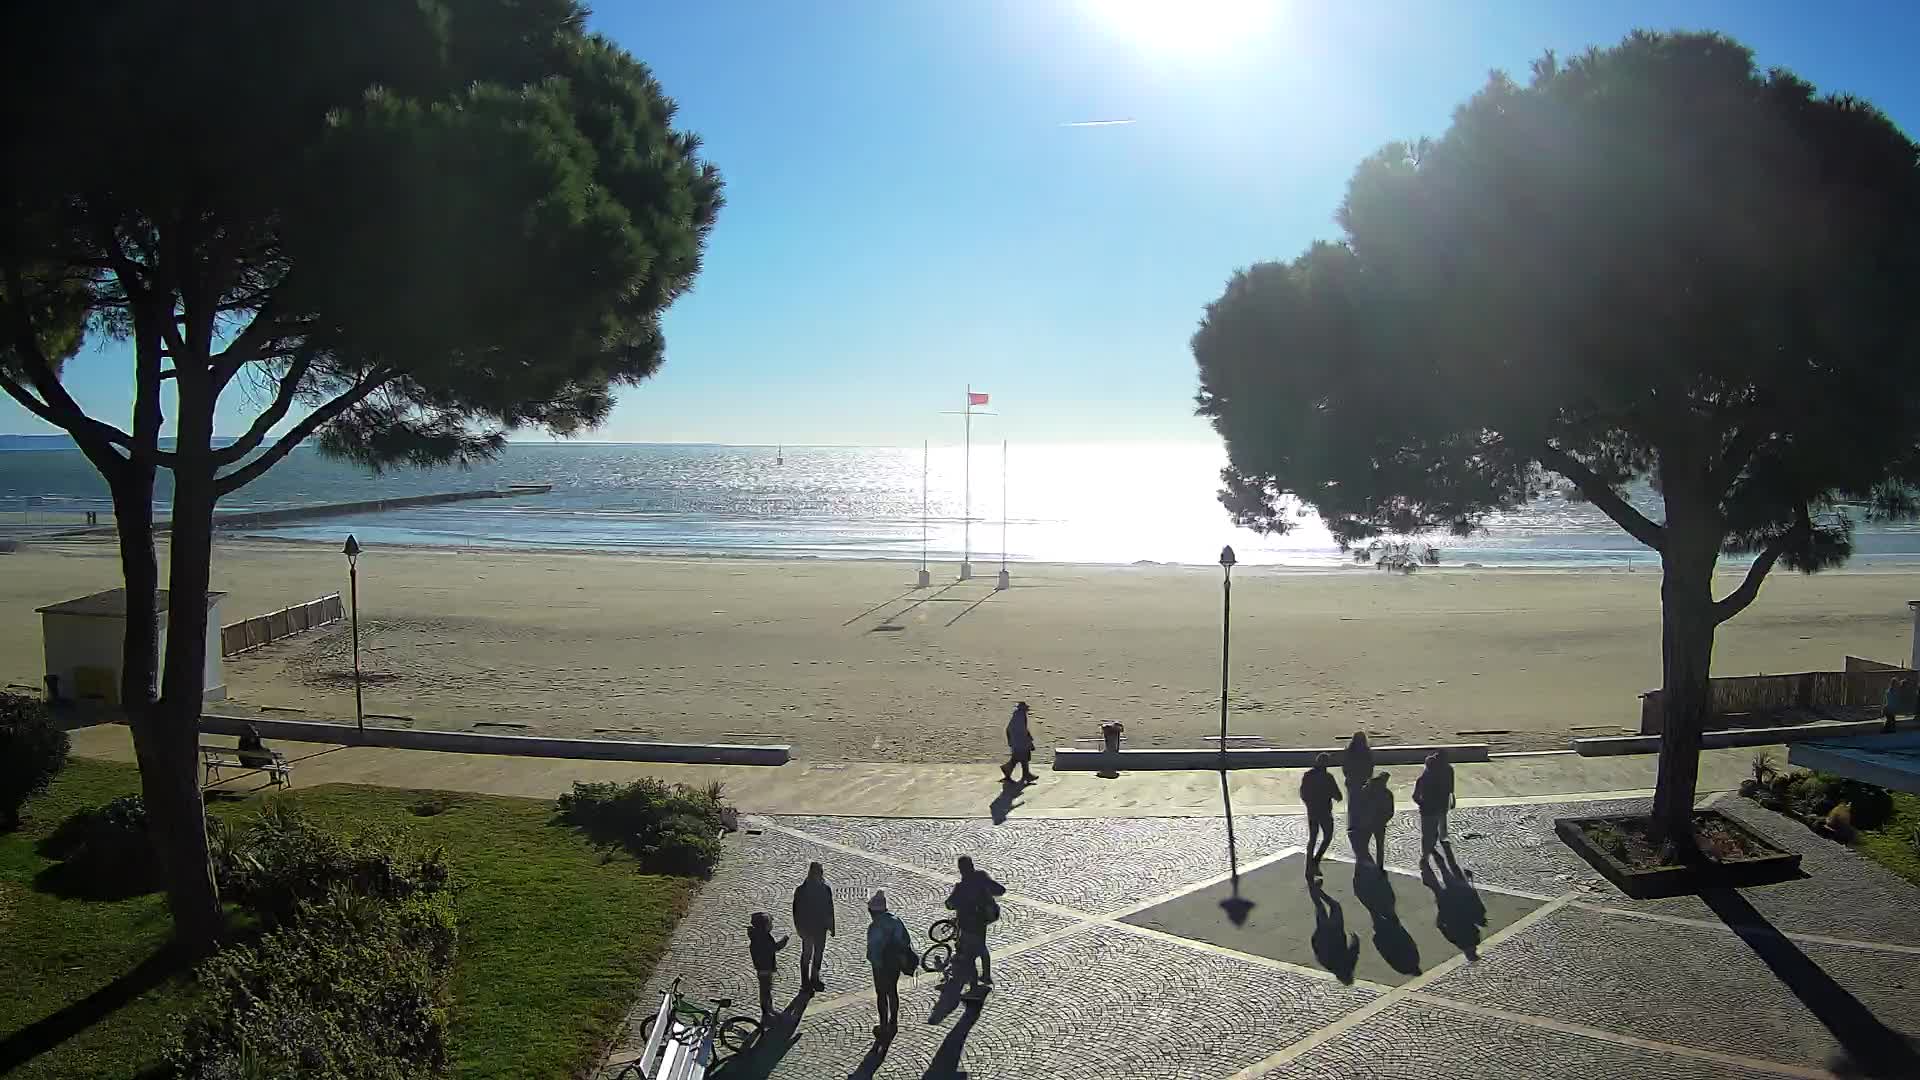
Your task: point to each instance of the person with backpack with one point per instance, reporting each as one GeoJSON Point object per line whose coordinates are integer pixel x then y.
{"type": "Point", "coordinates": [1433, 794]}
{"type": "Point", "coordinates": [890, 953]}
{"type": "Point", "coordinates": [813, 921]}
{"type": "Point", "coordinates": [1367, 817]}
{"type": "Point", "coordinates": [1318, 792]}
{"type": "Point", "coordinates": [974, 909]}
{"type": "Point", "coordinates": [763, 945]}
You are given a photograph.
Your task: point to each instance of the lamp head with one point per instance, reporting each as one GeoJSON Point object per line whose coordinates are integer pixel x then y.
{"type": "Point", "coordinates": [352, 550]}
{"type": "Point", "coordinates": [1226, 556]}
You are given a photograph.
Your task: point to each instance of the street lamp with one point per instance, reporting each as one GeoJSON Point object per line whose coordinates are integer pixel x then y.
{"type": "Point", "coordinates": [1236, 906]}
{"type": "Point", "coordinates": [352, 552]}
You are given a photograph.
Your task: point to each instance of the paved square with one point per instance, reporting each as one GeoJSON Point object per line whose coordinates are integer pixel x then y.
{"type": "Point", "coordinates": [1354, 922]}
{"type": "Point", "coordinates": [1114, 961]}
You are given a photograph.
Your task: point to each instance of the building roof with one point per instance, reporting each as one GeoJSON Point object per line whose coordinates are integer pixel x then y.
{"type": "Point", "coordinates": [111, 604]}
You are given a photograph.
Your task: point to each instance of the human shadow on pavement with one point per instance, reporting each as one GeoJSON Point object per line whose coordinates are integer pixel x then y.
{"type": "Point", "coordinates": [869, 1065]}
{"type": "Point", "coordinates": [777, 1037]}
{"type": "Point", "coordinates": [1869, 1048]}
{"type": "Point", "coordinates": [1459, 912]}
{"type": "Point", "coordinates": [1374, 889]}
{"type": "Point", "coordinates": [952, 983]}
{"type": "Point", "coordinates": [1337, 950]}
{"type": "Point", "coordinates": [1008, 798]}
{"type": "Point", "coordinates": [946, 1060]}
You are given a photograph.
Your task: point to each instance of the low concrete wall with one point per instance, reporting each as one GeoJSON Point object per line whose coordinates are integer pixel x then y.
{"type": "Point", "coordinates": [1605, 745]}
{"type": "Point", "coordinates": [466, 742]}
{"type": "Point", "coordinates": [1858, 685]}
{"type": "Point", "coordinates": [1073, 759]}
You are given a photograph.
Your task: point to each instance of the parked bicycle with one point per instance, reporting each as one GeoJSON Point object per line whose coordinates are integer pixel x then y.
{"type": "Point", "coordinates": [939, 955]}
{"type": "Point", "coordinates": [699, 1036]}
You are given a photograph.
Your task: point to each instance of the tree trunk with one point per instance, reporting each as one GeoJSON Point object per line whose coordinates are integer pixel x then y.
{"type": "Point", "coordinates": [1686, 658]}
{"type": "Point", "coordinates": [178, 815]}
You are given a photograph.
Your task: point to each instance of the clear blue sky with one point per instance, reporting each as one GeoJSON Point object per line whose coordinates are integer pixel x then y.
{"type": "Point", "coordinates": [906, 212]}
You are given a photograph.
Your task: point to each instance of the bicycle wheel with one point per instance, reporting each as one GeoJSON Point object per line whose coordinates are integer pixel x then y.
{"type": "Point", "coordinates": [937, 957]}
{"type": "Point", "coordinates": [685, 1016]}
{"type": "Point", "coordinates": [942, 931]}
{"type": "Point", "coordinates": [739, 1034]}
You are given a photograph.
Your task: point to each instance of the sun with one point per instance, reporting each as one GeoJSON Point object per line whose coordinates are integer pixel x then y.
{"type": "Point", "coordinates": [1183, 25]}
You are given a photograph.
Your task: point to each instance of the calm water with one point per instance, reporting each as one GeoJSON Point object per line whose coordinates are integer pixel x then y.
{"type": "Point", "coordinates": [1079, 503]}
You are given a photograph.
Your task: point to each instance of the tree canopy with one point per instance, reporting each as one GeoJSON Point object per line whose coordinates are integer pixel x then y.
{"type": "Point", "coordinates": [404, 228]}
{"type": "Point", "coordinates": [1654, 261]}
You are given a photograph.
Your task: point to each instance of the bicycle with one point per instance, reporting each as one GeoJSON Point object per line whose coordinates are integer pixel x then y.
{"type": "Point", "coordinates": [699, 1026]}
{"type": "Point", "coordinates": [939, 955]}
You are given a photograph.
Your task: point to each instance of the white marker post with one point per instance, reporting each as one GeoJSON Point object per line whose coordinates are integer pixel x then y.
{"type": "Point", "coordinates": [1006, 580]}
{"type": "Point", "coordinates": [925, 578]}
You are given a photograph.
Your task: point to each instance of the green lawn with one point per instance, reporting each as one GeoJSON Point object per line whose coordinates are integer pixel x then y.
{"type": "Point", "coordinates": [1891, 845]}
{"type": "Point", "coordinates": [554, 941]}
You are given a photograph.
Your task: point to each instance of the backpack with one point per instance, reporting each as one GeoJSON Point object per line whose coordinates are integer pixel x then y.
{"type": "Point", "coordinates": [989, 911]}
{"type": "Point", "coordinates": [902, 953]}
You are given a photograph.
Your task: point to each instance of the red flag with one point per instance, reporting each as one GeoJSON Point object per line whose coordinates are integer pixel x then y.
{"type": "Point", "coordinates": [976, 399]}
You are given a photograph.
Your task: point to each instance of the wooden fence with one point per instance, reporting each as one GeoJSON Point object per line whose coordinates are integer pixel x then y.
{"type": "Point", "coordinates": [1863, 683]}
{"type": "Point", "coordinates": [236, 638]}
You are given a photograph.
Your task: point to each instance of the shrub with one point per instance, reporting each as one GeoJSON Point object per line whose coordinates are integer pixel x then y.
{"type": "Point", "coordinates": [352, 986]}
{"type": "Point", "coordinates": [1764, 769]}
{"type": "Point", "coordinates": [1813, 795]}
{"type": "Point", "coordinates": [32, 750]}
{"type": "Point", "coordinates": [1839, 822]}
{"type": "Point", "coordinates": [104, 852]}
{"type": "Point", "coordinates": [286, 861]}
{"type": "Point", "coordinates": [670, 828]}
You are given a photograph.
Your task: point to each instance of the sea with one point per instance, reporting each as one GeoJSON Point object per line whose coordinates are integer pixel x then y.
{"type": "Point", "coordinates": [1092, 503]}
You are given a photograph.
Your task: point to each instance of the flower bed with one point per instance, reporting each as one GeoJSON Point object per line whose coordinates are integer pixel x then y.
{"type": "Point", "coordinates": [1625, 851]}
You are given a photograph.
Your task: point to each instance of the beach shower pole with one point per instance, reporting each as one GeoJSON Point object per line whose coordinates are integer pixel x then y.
{"type": "Point", "coordinates": [1005, 579]}
{"type": "Point", "coordinates": [925, 578]}
{"type": "Point", "coordinates": [1226, 641]}
{"type": "Point", "coordinates": [352, 551]}
{"type": "Point", "coordinates": [966, 496]}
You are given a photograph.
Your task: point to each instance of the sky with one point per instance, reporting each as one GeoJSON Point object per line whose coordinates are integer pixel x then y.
{"type": "Point", "coordinates": [911, 211]}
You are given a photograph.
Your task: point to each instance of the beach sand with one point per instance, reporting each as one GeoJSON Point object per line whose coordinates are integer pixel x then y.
{"type": "Point", "coordinates": [846, 661]}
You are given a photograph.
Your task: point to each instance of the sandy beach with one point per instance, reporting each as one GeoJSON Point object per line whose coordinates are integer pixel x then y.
{"type": "Point", "coordinates": [848, 662]}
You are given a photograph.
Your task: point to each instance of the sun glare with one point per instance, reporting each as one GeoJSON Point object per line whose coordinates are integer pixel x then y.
{"type": "Point", "coordinates": [1183, 25]}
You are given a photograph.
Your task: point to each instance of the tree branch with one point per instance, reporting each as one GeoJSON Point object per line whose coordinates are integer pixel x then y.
{"type": "Point", "coordinates": [1736, 601]}
{"type": "Point", "coordinates": [1739, 450]}
{"type": "Point", "coordinates": [54, 405]}
{"type": "Point", "coordinates": [1601, 494]}
{"type": "Point", "coordinates": [314, 421]}
{"type": "Point", "coordinates": [282, 401]}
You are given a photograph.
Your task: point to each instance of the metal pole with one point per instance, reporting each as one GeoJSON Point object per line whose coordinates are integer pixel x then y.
{"type": "Point", "coordinates": [1003, 506]}
{"type": "Point", "coordinates": [353, 587]}
{"type": "Point", "coordinates": [923, 503]}
{"type": "Point", "coordinates": [966, 490]}
{"type": "Point", "coordinates": [1226, 643]}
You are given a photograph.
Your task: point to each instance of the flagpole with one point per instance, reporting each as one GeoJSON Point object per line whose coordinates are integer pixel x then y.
{"type": "Point", "coordinates": [966, 496]}
{"type": "Point", "coordinates": [1005, 579]}
{"type": "Point", "coordinates": [924, 579]}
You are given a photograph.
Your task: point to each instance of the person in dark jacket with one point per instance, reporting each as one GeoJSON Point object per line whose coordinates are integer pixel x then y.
{"type": "Point", "coordinates": [1318, 792]}
{"type": "Point", "coordinates": [813, 921]}
{"type": "Point", "coordinates": [252, 750]}
{"type": "Point", "coordinates": [890, 954]}
{"type": "Point", "coordinates": [1019, 746]}
{"type": "Point", "coordinates": [1357, 765]}
{"type": "Point", "coordinates": [762, 944]}
{"type": "Point", "coordinates": [1367, 816]}
{"type": "Point", "coordinates": [974, 909]}
{"type": "Point", "coordinates": [1433, 794]}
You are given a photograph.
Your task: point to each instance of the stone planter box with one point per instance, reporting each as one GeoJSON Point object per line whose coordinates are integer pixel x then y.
{"type": "Point", "coordinates": [1774, 864]}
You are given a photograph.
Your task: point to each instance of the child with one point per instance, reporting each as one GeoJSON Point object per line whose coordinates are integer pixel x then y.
{"type": "Point", "coordinates": [762, 944]}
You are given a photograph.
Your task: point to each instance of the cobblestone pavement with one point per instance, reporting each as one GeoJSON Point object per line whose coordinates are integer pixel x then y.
{"type": "Point", "coordinates": [1816, 977]}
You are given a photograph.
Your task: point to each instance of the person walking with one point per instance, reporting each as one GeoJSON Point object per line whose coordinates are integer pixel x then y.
{"type": "Point", "coordinates": [1357, 765]}
{"type": "Point", "coordinates": [1019, 746]}
{"type": "Point", "coordinates": [1367, 817]}
{"type": "Point", "coordinates": [974, 909]}
{"type": "Point", "coordinates": [1433, 794]}
{"type": "Point", "coordinates": [763, 945]}
{"type": "Point", "coordinates": [813, 921]}
{"type": "Point", "coordinates": [890, 953]}
{"type": "Point", "coordinates": [1318, 792]}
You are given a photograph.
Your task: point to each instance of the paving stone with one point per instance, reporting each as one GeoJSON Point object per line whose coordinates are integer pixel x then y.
{"type": "Point", "coordinates": [1691, 986]}
{"type": "Point", "coordinates": [1384, 929]}
{"type": "Point", "coordinates": [759, 873]}
{"type": "Point", "coordinates": [1095, 866]}
{"type": "Point", "coordinates": [1098, 1004]}
{"type": "Point", "coordinates": [1417, 1041]}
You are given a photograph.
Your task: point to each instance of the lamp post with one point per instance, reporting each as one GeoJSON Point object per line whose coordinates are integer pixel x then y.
{"type": "Point", "coordinates": [1237, 907]}
{"type": "Point", "coordinates": [352, 552]}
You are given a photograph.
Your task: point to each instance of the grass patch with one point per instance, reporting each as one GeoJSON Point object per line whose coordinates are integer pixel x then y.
{"type": "Point", "coordinates": [555, 938]}
{"type": "Point", "coordinates": [1892, 844]}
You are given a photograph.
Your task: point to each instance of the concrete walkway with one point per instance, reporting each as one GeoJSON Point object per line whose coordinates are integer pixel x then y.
{"type": "Point", "coordinates": [886, 789]}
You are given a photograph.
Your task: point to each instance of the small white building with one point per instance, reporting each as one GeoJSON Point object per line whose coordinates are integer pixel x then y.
{"type": "Point", "coordinates": [85, 639]}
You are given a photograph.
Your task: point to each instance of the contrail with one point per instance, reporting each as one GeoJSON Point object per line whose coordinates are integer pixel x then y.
{"type": "Point", "coordinates": [1097, 123]}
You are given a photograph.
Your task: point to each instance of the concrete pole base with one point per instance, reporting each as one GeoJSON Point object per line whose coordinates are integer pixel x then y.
{"type": "Point", "coordinates": [925, 579]}
{"type": "Point", "coordinates": [1005, 581]}
{"type": "Point", "coordinates": [966, 571]}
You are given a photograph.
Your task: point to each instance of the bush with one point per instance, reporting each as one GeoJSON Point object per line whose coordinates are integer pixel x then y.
{"type": "Point", "coordinates": [104, 853]}
{"type": "Point", "coordinates": [353, 987]}
{"type": "Point", "coordinates": [1812, 796]}
{"type": "Point", "coordinates": [32, 750]}
{"type": "Point", "coordinates": [670, 828]}
{"type": "Point", "coordinates": [284, 861]}
{"type": "Point", "coordinates": [1839, 822]}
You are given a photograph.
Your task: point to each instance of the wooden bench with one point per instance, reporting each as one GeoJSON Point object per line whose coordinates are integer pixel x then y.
{"type": "Point", "coordinates": [213, 759]}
